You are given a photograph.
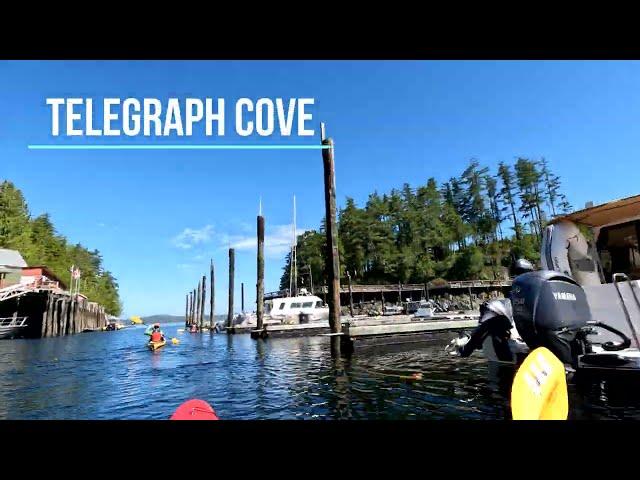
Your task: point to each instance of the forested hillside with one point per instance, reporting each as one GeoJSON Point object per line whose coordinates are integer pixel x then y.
{"type": "Point", "coordinates": [39, 243]}
{"type": "Point", "coordinates": [468, 227]}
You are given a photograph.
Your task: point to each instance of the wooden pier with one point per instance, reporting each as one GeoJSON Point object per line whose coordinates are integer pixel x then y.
{"type": "Point", "coordinates": [51, 311]}
{"type": "Point", "coordinates": [412, 291]}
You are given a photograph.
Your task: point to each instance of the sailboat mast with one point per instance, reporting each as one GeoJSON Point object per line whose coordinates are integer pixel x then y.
{"type": "Point", "coordinates": [295, 250]}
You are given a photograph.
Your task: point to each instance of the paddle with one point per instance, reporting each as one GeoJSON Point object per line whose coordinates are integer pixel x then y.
{"type": "Point", "coordinates": [539, 389]}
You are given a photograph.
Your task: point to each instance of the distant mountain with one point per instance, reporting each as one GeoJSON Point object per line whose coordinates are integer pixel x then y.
{"type": "Point", "coordinates": [163, 319]}
{"type": "Point", "coordinates": [174, 318]}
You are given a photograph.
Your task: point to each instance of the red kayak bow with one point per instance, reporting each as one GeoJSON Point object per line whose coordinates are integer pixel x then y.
{"type": "Point", "coordinates": [194, 410]}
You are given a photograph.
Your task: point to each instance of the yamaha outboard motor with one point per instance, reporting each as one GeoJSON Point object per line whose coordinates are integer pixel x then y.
{"type": "Point", "coordinates": [549, 310]}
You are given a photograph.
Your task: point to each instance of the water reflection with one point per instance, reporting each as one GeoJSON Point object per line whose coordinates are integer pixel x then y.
{"type": "Point", "coordinates": [114, 375]}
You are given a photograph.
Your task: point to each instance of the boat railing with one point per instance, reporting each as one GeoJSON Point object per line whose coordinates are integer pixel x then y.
{"type": "Point", "coordinates": [13, 321]}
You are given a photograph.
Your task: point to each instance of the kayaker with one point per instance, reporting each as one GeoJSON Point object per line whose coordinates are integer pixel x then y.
{"type": "Point", "coordinates": [156, 334]}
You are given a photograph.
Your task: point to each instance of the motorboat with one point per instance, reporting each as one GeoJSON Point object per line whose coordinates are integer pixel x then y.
{"type": "Point", "coordinates": [584, 304]}
{"type": "Point", "coordinates": [392, 310]}
{"type": "Point", "coordinates": [11, 327]}
{"type": "Point", "coordinates": [426, 309]}
{"type": "Point", "coordinates": [304, 306]}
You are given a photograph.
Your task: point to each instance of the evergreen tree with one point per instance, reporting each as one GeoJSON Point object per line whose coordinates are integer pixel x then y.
{"type": "Point", "coordinates": [507, 195]}
{"type": "Point", "coordinates": [39, 243]}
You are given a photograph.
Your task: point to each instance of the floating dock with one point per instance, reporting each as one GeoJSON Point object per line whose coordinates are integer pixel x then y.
{"type": "Point", "coordinates": [361, 331]}
{"type": "Point", "coordinates": [358, 335]}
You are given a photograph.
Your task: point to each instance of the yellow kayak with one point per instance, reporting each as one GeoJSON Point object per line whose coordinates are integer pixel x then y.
{"type": "Point", "coordinates": [157, 345]}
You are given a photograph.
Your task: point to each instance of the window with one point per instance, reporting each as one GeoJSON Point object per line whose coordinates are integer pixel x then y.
{"type": "Point", "coordinates": [282, 306]}
{"type": "Point", "coordinates": [319, 304]}
{"type": "Point", "coordinates": [618, 249]}
{"type": "Point", "coordinates": [295, 305]}
{"type": "Point", "coordinates": [307, 305]}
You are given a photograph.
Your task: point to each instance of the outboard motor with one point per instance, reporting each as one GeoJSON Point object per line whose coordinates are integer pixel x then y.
{"type": "Point", "coordinates": [549, 310]}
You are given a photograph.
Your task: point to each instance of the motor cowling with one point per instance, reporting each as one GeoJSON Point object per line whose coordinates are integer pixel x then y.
{"type": "Point", "coordinates": [549, 310]}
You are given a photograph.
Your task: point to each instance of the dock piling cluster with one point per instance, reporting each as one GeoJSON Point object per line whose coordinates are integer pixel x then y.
{"type": "Point", "coordinates": [195, 304]}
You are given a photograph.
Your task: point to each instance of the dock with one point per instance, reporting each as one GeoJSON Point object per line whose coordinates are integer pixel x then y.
{"type": "Point", "coordinates": [361, 331]}
{"type": "Point", "coordinates": [356, 336]}
{"type": "Point", "coordinates": [50, 310]}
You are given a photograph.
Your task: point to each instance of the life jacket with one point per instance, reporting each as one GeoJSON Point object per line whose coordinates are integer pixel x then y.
{"type": "Point", "coordinates": [156, 337]}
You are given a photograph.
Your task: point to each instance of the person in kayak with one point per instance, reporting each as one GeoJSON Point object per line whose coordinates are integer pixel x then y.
{"type": "Point", "coordinates": [156, 334]}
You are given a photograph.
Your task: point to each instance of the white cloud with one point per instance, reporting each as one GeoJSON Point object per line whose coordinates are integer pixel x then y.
{"type": "Point", "coordinates": [192, 236]}
{"type": "Point", "coordinates": [277, 240]}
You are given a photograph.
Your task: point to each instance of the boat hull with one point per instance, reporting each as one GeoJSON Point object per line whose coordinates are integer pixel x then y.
{"type": "Point", "coordinates": [10, 332]}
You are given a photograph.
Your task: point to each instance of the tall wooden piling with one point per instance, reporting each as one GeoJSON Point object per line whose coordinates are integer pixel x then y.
{"type": "Point", "coordinates": [186, 312]}
{"type": "Point", "coordinates": [231, 286]}
{"type": "Point", "coordinates": [198, 303]}
{"type": "Point", "coordinates": [193, 306]}
{"type": "Point", "coordinates": [212, 300]}
{"type": "Point", "coordinates": [188, 319]}
{"type": "Point", "coordinates": [332, 260]}
{"type": "Point", "coordinates": [203, 299]}
{"type": "Point", "coordinates": [350, 295]}
{"type": "Point", "coordinates": [260, 269]}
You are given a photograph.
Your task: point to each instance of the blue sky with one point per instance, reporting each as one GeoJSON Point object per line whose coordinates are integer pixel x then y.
{"type": "Point", "coordinates": [158, 216]}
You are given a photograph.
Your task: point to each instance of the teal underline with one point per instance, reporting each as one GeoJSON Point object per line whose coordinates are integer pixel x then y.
{"type": "Point", "coordinates": [178, 147]}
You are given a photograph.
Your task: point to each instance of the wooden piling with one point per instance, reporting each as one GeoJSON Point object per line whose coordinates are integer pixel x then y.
{"type": "Point", "coordinates": [199, 304]}
{"type": "Point", "coordinates": [203, 299]}
{"type": "Point", "coordinates": [260, 269]}
{"type": "Point", "coordinates": [193, 307]}
{"type": "Point", "coordinates": [186, 312]}
{"type": "Point", "coordinates": [332, 259]}
{"type": "Point", "coordinates": [212, 300]}
{"type": "Point", "coordinates": [350, 295]}
{"type": "Point", "coordinates": [189, 312]}
{"type": "Point", "coordinates": [231, 286]}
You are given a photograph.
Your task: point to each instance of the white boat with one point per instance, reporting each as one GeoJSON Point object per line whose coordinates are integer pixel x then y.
{"type": "Point", "coordinates": [11, 327]}
{"type": "Point", "coordinates": [425, 310]}
{"type": "Point", "coordinates": [586, 298]}
{"type": "Point", "coordinates": [392, 310]}
{"type": "Point", "coordinates": [292, 309]}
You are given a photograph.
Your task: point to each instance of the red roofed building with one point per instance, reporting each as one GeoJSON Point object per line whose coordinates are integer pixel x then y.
{"type": "Point", "coordinates": [39, 275]}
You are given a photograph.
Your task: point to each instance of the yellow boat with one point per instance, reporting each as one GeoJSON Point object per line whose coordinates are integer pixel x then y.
{"type": "Point", "coordinates": [157, 345]}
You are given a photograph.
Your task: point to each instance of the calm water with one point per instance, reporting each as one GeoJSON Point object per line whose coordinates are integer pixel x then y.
{"type": "Point", "coordinates": [112, 375]}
